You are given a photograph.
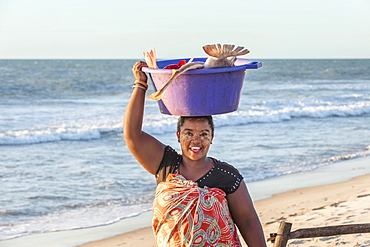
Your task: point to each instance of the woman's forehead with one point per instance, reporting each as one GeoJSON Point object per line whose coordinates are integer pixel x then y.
{"type": "Point", "coordinates": [196, 123]}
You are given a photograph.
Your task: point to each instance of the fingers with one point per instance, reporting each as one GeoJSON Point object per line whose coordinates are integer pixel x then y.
{"type": "Point", "coordinates": [138, 73]}
{"type": "Point", "coordinates": [138, 65]}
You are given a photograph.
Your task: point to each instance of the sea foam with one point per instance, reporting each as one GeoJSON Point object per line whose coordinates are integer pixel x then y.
{"type": "Point", "coordinates": [163, 124]}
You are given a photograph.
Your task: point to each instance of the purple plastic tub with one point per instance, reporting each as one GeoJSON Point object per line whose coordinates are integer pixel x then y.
{"type": "Point", "coordinates": [200, 92]}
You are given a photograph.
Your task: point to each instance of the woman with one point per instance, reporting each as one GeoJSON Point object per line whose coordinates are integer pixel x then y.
{"type": "Point", "coordinates": [199, 199]}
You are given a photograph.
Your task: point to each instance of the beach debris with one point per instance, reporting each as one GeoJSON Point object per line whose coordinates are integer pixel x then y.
{"type": "Point", "coordinates": [222, 55]}
{"type": "Point", "coordinates": [336, 204]}
{"type": "Point", "coordinates": [150, 59]}
{"type": "Point", "coordinates": [364, 195]}
{"type": "Point", "coordinates": [175, 73]}
{"type": "Point", "coordinates": [280, 239]}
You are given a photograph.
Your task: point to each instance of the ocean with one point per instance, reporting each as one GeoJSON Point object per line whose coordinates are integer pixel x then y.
{"type": "Point", "coordinates": [64, 164]}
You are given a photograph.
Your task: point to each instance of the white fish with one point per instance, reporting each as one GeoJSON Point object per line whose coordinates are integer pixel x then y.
{"type": "Point", "coordinates": [222, 55]}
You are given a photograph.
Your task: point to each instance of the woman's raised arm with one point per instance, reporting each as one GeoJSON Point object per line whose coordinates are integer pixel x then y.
{"type": "Point", "coordinates": [146, 149]}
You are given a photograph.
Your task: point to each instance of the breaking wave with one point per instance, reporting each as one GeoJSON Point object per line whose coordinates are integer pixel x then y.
{"type": "Point", "coordinates": [167, 124]}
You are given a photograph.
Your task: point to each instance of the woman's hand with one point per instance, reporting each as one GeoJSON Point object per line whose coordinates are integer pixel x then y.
{"type": "Point", "coordinates": [138, 73]}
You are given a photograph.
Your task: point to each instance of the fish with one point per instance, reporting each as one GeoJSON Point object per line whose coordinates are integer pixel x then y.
{"type": "Point", "coordinates": [175, 73]}
{"type": "Point", "coordinates": [150, 58]}
{"type": "Point", "coordinates": [222, 55]}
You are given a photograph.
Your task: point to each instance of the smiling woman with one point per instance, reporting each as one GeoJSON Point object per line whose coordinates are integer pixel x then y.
{"type": "Point", "coordinates": [199, 199]}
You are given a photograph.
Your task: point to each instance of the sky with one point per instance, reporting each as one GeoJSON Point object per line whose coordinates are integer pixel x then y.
{"type": "Point", "coordinates": [121, 29]}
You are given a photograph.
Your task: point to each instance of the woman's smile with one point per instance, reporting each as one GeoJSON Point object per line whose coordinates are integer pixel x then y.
{"type": "Point", "coordinates": [195, 149]}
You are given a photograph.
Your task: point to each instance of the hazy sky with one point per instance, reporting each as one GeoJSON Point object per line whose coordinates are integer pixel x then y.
{"type": "Point", "coordinates": [124, 29]}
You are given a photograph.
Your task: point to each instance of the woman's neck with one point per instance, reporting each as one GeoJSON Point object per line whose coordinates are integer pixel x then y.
{"type": "Point", "coordinates": [195, 169]}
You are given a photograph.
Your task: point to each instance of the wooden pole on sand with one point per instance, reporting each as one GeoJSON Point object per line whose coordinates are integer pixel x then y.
{"type": "Point", "coordinates": [280, 239]}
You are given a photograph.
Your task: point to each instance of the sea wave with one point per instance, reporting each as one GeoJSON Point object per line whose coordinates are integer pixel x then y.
{"type": "Point", "coordinates": [158, 125]}
{"type": "Point", "coordinates": [77, 218]}
{"type": "Point", "coordinates": [250, 175]}
{"type": "Point", "coordinates": [314, 85]}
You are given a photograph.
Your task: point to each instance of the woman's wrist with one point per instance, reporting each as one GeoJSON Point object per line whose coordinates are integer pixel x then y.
{"type": "Point", "coordinates": [140, 84]}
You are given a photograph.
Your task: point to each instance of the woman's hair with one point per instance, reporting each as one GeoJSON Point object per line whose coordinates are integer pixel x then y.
{"type": "Point", "coordinates": [181, 120]}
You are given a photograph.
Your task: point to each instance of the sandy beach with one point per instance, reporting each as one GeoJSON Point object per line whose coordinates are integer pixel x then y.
{"type": "Point", "coordinates": [346, 202]}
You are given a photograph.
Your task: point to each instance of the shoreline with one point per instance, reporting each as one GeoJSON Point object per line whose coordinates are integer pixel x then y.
{"type": "Point", "coordinates": [270, 196]}
{"type": "Point", "coordinates": [298, 207]}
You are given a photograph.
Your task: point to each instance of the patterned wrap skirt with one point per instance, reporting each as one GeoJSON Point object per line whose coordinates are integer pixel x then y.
{"type": "Point", "coordinates": [187, 215]}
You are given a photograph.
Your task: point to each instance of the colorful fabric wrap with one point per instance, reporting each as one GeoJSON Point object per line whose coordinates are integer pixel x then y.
{"type": "Point", "coordinates": [187, 215]}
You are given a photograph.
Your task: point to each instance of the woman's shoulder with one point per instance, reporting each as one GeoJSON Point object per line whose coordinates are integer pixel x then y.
{"type": "Point", "coordinates": [226, 168]}
{"type": "Point", "coordinates": [170, 155]}
{"type": "Point", "coordinates": [169, 164]}
{"type": "Point", "coordinates": [223, 176]}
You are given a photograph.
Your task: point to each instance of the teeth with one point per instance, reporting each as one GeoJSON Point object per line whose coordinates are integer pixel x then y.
{"type": "Point", "coordinates": [195, 148]}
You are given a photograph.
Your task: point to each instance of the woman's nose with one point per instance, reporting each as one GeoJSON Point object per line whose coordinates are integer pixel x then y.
{"type": "Point", "coordinates": [196, 138]}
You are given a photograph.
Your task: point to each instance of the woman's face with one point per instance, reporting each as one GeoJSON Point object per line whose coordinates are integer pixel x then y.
{"type": "Point", "coordinates": [195, 138]}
